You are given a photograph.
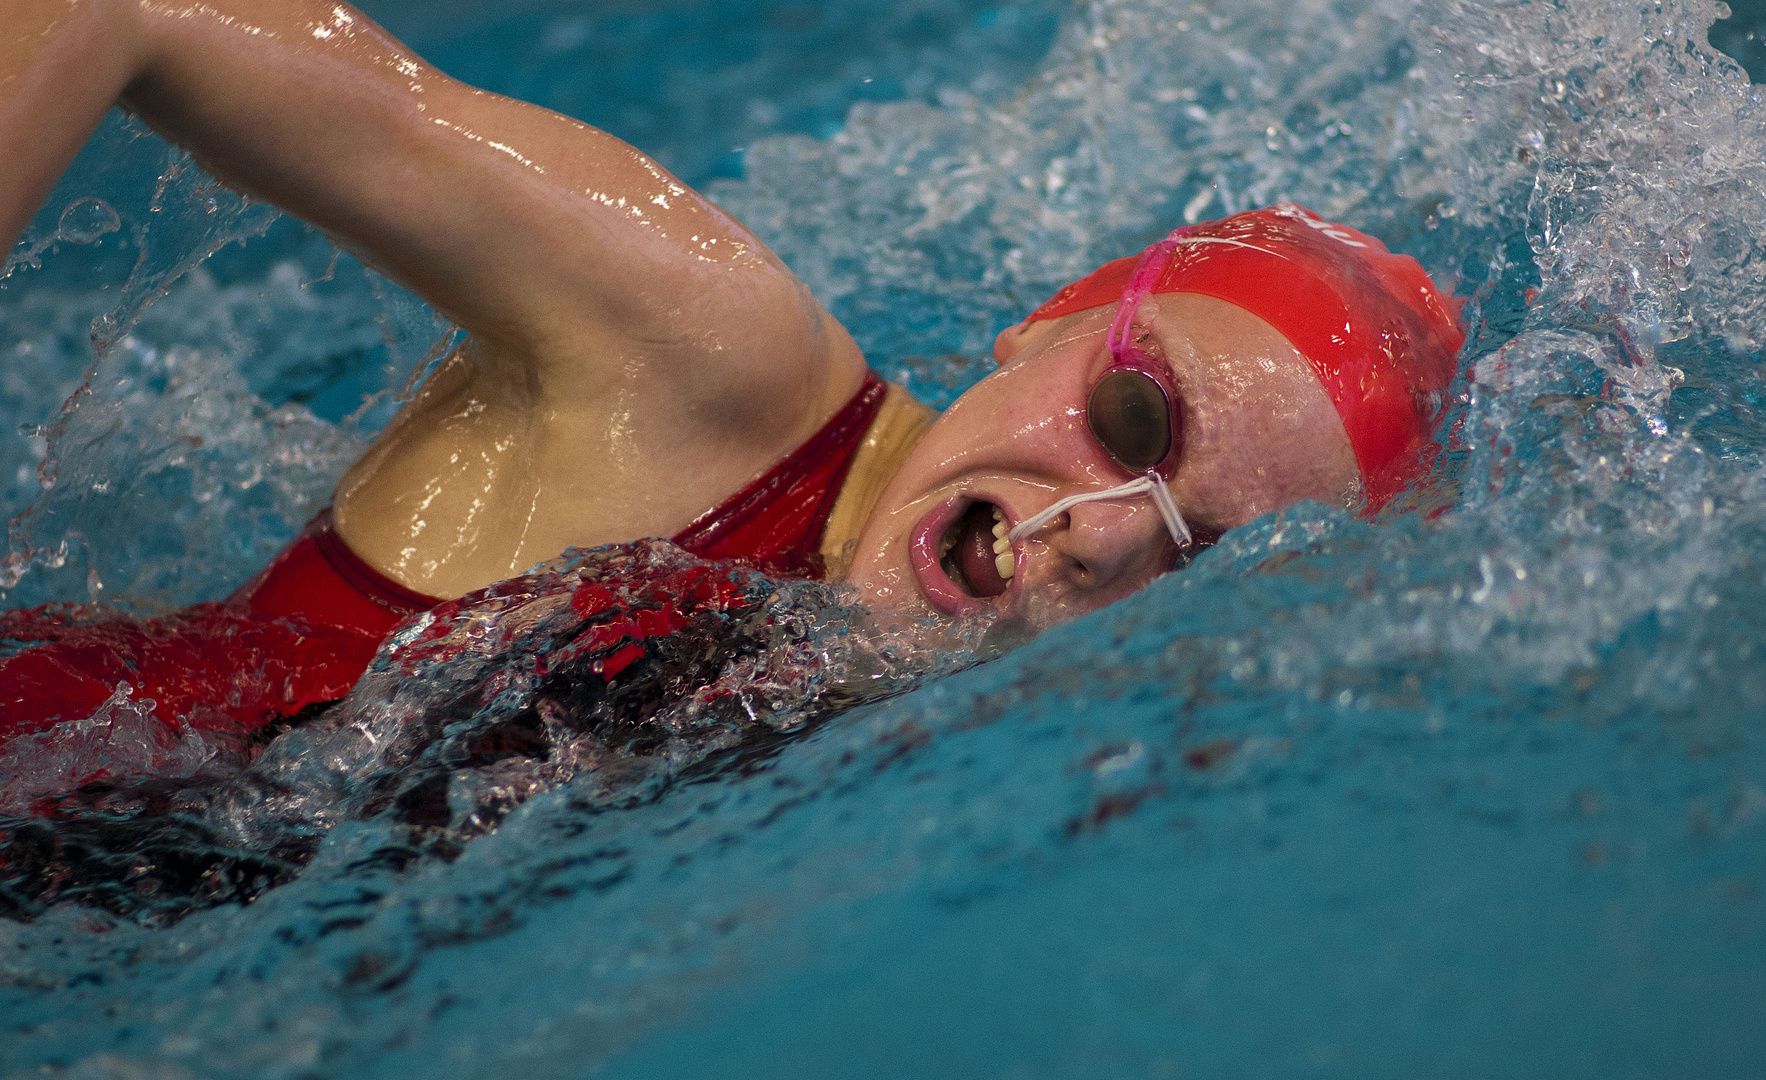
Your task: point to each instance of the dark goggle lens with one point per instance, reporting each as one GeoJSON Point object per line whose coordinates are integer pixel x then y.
{"type": "Point", "coordinates": [1130, 416]}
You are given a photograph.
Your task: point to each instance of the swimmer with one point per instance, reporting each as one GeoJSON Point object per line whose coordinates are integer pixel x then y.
{"type": "Point", "coordinates": [638, 364]}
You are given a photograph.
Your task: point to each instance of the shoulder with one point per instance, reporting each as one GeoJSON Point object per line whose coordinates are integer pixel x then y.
{"type": "Point", "coordinates": [710, 373]}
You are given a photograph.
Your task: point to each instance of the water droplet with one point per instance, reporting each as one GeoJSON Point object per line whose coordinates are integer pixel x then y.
{"type": "Point", "coordinates": [85, 220]}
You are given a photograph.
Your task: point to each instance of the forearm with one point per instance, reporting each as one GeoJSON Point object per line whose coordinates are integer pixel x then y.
{"type": "Point", "coordinates": [63, 63]}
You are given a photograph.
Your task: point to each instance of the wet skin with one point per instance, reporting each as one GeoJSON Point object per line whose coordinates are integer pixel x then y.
{"type": "Point", "coordinates": [1259, 433]}
{"type": "Point", "coordinates": [635, 354]}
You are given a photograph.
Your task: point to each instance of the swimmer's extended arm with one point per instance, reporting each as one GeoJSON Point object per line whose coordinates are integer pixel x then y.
{"type": "Point", "coordinates": [549, 240]}
{"type": "Point", "coordinates": [636, 355]}
{"type": "Point", "coordinates": [57, 80]}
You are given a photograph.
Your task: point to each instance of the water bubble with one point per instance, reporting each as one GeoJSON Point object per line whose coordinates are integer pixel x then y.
{"type": "Point", "coordinates": [86, 220]}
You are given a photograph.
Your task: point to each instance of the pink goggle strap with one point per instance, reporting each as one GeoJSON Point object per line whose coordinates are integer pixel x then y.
{"type": "Point", "coordinates": [1146, 274]}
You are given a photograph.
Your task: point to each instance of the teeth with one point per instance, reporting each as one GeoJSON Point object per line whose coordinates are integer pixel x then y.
{"type": "Point", "coordinates": [1002, 546]}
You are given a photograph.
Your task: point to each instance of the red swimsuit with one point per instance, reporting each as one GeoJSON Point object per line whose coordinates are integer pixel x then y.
{"type": "Point", "coordinates": [304, 628]}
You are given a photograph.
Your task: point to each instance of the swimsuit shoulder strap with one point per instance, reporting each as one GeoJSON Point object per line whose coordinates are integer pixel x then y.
{"type": "Point", "coordinates": [777, 521]}
{"type": "Point", "coordinates": [892, 436]}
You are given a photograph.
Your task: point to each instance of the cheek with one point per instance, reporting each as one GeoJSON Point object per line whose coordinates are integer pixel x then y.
{"type": "Point", "coordinates": [1279, 464]}
{"type": "Point", "coordinates": [892, 588]}
{"type": "Point", "coordinates": [1054, 606]}
{"type": "Point", "coordinates": [1241, 462]}
{"type": "Point", "coordinates": [1013, 421]}
{"type": "Point", "coordinates": [882, 573]}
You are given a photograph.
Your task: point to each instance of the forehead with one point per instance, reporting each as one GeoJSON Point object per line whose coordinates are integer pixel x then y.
{"type": "Point", "coordinates": [1220, 334]}
{"type": "Point", "coordinates": [1201, 337]}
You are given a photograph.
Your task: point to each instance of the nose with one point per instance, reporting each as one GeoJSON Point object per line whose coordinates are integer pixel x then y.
{"type": "Point", "coordinates": [1108, 543]}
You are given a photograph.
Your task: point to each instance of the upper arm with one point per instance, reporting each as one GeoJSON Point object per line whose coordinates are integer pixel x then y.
{"type": "Point", "coordinates": [547, 239]}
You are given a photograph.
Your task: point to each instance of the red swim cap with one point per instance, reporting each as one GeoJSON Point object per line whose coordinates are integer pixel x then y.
{"type": "Point", "coordinates": [1380, 337]}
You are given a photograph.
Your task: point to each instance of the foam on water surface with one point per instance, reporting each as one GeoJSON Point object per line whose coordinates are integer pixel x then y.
{"type": "Point", "coordinates": [1476, 788]}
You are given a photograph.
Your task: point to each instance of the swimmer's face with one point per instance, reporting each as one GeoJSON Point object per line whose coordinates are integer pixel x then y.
{"type": "Point", "coordinates": [1258, 433]}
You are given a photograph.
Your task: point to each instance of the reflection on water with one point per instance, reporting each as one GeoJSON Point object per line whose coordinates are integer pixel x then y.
{"type": "Point", "coordinates": [1474, 789]}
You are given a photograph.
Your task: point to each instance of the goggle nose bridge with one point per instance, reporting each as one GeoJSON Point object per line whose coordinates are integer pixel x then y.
{"type": "Point", "coordinates": [1150, 484]}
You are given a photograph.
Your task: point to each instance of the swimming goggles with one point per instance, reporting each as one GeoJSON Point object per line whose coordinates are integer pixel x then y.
{"type": "Point", "coordinates": [1130, 410]}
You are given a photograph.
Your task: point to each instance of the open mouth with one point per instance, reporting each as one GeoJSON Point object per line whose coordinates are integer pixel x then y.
{"type": "Point", "coordinates": [975, 552]}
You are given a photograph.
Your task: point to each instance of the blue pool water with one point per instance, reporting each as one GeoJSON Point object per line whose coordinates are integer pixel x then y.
{"type": "Point", "coordinates": [1475, 789]}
